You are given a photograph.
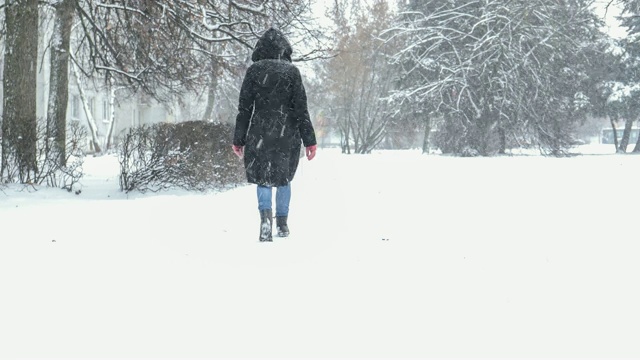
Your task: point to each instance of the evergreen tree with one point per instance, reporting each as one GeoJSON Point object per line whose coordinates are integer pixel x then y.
{"type": "Point", "coordinates": [631, 45]}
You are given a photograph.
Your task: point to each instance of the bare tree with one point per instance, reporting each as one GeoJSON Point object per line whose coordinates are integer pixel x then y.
{"type": "Point", "coordinates": [159, 46]}
{"type": "Point", "coordinates": [359, 76]}
{"type": "Point", "coordinates": [228, 60]}
{"type": "Point", "coordinates": [170, 48]}
{"type": "Point", "coordinates": [498, 69]}
{"type": "Point", "coordinates": [155, 47]}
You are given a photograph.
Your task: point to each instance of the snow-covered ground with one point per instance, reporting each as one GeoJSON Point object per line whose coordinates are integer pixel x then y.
{"type": "Point", "coordinates": [393, 254]}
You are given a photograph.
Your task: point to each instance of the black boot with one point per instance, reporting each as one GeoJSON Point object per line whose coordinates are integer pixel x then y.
{"type": "Point", "coordinates": [265, 225]}
{"type": "Point", "coordinates": [281, 224]}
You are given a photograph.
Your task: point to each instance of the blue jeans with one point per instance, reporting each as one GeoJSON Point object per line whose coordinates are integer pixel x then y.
{"type": "Point", "coordinates": [283, 197]}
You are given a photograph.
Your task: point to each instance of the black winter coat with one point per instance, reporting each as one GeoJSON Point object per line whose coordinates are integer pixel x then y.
{"type": "Point", "coordinates": [272, 118]}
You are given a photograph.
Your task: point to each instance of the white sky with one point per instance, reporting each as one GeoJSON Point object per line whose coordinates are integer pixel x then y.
{"type": "Point", "coordinates": [610, 14]}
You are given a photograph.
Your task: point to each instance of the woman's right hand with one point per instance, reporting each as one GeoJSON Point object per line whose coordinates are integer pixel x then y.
{"type": "Point", "coordinates": [239, 150]}
{"type": "Point", "coordinates": [311, 151]}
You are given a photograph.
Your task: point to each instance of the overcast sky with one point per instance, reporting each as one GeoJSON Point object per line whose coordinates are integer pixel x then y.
{"type": "Point", "coordinates": [609, 14]}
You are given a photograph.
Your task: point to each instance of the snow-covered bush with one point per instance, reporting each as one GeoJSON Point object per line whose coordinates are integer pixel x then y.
{"type": "Point", "coordinates": [193, 155]}
{"type": "Point", "coordinates": [50, 169]}
{"type": "Point", "coordinates": [68, 174]}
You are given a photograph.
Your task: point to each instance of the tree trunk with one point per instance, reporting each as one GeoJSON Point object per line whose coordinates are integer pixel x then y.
{"type": "Point", "coordinates": [211, 93]}
{"type": "Point", "coordinates": [624, 143]}
{"type": "Point", "coordinates": [346, 148]}
{"type": "Point", "coordinates": [503, 141]}
{"type": "Point", "coordinates": [485, 131]}
{"type": "Point", "coordinates": [636, 149]}
{"type": "Point", "coordinates": [427, 133]}
{"type": "Point", "coordinates": [19, 136]}
{"type": "Point", "coordinates": [615, 132]}
{"type": "Point", "coordinates": [59, 82]}
{"type": "Point", "coordinates": [112, 116]}
{"type": "Point", "coordinates": [93, 128]}
{"type": "Point", "coordinates": [211, 99]}
{"type": "Point", "coordinates": [345, 136]}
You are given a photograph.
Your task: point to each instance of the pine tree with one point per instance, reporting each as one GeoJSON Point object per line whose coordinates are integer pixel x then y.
{"type": "Point", "coordinates": [631, 21]}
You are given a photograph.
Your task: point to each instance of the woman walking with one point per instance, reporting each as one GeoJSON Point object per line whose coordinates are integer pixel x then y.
{"type": "Point", "coordinates": [272, 123]}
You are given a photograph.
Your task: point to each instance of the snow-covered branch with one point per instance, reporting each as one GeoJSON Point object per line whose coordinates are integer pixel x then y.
{"type": "Point", "coordinates": [118, 71]}
{"type": "Point", "coordinates": [255, 9]}
{"type": "Point", "coordinates": [123, 7]}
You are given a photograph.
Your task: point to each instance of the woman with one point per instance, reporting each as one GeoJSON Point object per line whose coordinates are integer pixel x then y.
{"type": "Point", "coordinates": [272, 122]}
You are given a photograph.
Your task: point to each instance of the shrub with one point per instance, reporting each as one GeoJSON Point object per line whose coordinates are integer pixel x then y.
{"type": "Point", "coordinates": [193, 155]}
{"type": "Point", "coordinates": [49, 170]}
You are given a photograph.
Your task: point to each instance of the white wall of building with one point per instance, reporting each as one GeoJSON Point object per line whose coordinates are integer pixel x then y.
{"type": "Point", "coordinates": [130, 110]}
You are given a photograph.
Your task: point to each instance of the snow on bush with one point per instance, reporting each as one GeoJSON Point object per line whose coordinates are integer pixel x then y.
{"type": "Point", "coordinates": [193, 155]}
{"type": "Point", "coordinates": [51, 168]}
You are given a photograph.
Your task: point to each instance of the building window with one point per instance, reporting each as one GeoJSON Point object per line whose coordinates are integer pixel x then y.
{"type": "Point", "coordinates": [105, 111]}
{"type": "Point", "coordinates": [135, 118]}
{"type": "Point", "coordinates": [75, 107]}
{"type": "Point", "coordinates": [92, 105]}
